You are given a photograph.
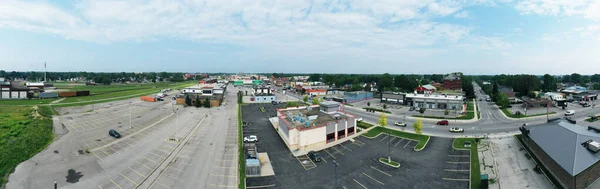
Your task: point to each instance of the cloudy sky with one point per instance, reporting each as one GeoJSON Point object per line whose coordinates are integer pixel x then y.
{"type": "Point", "coordinates": [343, 36]}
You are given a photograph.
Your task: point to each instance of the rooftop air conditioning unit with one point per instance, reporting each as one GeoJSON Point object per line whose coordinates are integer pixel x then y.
{"type": "Point", "coordinates": [593, 146]}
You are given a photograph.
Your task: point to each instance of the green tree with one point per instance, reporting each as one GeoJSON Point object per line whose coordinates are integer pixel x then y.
{"type": "Point", "coordinates": [596, 86]}
{"type": "Point", "coordinates": [367, 87]}
{"type": "Point", "coordinates": [368, 103]}
{"type": "Point", "coordinates": [446, 112]}
{"type": "Point", "coordinates": [198, 103]}
{"type": "Point", "coordinates": [382, 120]}
{"type": "Point", "coordinates": [207, 103]}
{"type": "Point", "coordinates": [188, 100]}
{"type": "Point", "coordinates": [315, 101]}
{"type": "Point", "coordinates": [305, 99]}
{"type": "Point", "coordinates": [418, 126]}
{"type": "Point", "coordinates": [502, 100]}
{"type": "Point", "coordinates": [549, 83]}
{"type": "Point", "coordinates": [576, 78]}
{"type": "Point", "coordinates": [495, 91]}
{"type": "Point", "coordinates": [422, 110]}
{"type": "Point", "coordinates": [386, 81]}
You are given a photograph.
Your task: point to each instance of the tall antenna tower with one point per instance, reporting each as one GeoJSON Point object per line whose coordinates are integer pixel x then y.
{"type": "Point", "coordinates": [45, 72]}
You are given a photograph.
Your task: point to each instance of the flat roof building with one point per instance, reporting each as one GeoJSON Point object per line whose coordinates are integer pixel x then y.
{"type": "Point", "coordinates": [568, 151]}
{"type": "Point", "coordinates": [309, 127]}
{"type": "Point", "coordinates": [435, 101]}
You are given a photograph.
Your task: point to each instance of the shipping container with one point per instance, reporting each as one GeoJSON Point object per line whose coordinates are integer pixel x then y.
{"type": "Point", "coordinates": [49, 95]}
{"type": "Point", "coordinates": [83, 93]}
{"type": "Point", "coordinates": [67, 94]}
{"type": "Point", "coordinates": [149, 98]}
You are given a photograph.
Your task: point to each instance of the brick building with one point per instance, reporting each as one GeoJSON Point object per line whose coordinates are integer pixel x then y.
{"type": "Point", "coordinates": [567, 151]}
{"type": "Point", "coordinates": [453, 82]}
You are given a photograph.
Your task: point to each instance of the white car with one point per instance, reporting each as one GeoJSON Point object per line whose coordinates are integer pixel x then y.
{"type": "Point", "coordinates": [570, 113]}
{"type": "Point", "coordinates": [401, 124]}
{"type": "Point", "coordinates": [251, 138]}
{"type": "Point", "coordinates": [359, 119]}
{"type": "Point", "coordinates": [456, 130]}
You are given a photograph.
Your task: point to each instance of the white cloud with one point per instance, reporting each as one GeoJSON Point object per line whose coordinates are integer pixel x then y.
{"type": "Point", "coordinates": [586, 8]}
{"type": "Point", "coordinates": [462, 14]}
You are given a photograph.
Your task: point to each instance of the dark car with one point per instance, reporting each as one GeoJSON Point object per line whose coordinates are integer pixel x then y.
{"type": "Point", "coordinates": [114, 133]}
{"type": "Point", "coordinates": [412, 108]}
{"type": "Point", "coordinates": [314, 156]}
{"type": "Point", "coordinates": [443, 122]}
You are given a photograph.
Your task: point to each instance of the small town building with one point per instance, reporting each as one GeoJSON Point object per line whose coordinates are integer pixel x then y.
{"type": "Point", "coordinates": [558, 99]}
{"type": "Point", "coordinates": [435, 101]}
{"type": "Point", "coordinates": [390, 97]}
{"type": "Point", "coordinates": [509, 92]}
{"type": "Point", "coordinates": [535, 103]}
{"type": "Point", "coordinates": [316, 92]}
{"type": "Point", "coordinates": [308, 127]}
{"type": "Point", "coordinates": [453, 82]}
{"type": "Point", "coordinates": [13, 90]}
{"type": "Point", "coordinates": [568, 151]}
{"type": "Point", "coordinates": [425, 89]}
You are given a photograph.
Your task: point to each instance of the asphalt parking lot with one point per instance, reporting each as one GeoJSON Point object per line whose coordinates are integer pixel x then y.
{"type": "Point", "coordinates": [437, 166]}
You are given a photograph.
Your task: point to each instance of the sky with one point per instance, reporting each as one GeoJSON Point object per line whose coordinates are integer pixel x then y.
{"type": "Point", "coordinates": [312, 36]}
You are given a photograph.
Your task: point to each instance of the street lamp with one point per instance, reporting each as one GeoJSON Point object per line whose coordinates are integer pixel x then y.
{"type": "Point", "coordinates": [335, 172]}
{"type": "Point", "coordinates": [130, 115]}
{"type": "Point", "coordinates": [389, 150]}
{"type": "Point", "coordinates": [177, 123]}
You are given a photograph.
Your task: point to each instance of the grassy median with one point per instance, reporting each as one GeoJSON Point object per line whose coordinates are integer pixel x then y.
{"type": "Point", "coordinates": [24, 131]}
{"type": "Point", "coordinates": [423, 139]}
{"type": "Point", "coordinates": [475, 170]}
{"type": "Point", "coordinates": [242, 158]}
{"type": "Point", "coordinates": [511, 115]}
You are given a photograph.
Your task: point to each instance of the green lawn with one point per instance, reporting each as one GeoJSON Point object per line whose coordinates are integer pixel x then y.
{"type": "Point", "coordinates": [423, 139]}
{"type": "Point", "coordinates": [391, 163]}
{"type": "Point", "coordinates": [537, 161]}
{"type": "Point", "coordinates": [468, 116]}
{"type": "Point", "coordinates": [23, 133]}
{"type": "Point", "coordinates": [378, 110]}
{"type": "Point", "coordinates": [242, 157]}
{"type": "Point", "coordinates": [592, 120]}
{"type": "Point", "coordinates": [475, 170]}
{"type": "Point", "coordinates": [511, 115]}
{"type": "Point", "coordinates": [363, 125]}
{"type": "Point", "coordinates": [470, 106]}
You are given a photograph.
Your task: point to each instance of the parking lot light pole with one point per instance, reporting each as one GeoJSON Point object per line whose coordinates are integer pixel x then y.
{"type": "Point", "coordinates": [335, 173]}
{"type": "Point", "coordinates": [389, 150]}
{"type": "Point", "coordinates": [130, 116]}
{"type": "Point", "coordinates": [177, 123]}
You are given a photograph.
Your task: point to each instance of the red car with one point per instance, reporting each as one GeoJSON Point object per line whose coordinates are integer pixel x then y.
{"type": "Point", "coordinates": [443, 122]}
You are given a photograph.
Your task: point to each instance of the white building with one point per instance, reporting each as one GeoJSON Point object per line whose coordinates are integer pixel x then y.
{"type": "Point", "coordinates": [308, 127]}
{"type": "Point", "coordinates": [435, 101]}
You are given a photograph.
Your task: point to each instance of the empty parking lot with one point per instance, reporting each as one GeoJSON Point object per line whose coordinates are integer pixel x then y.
{"type": "Point", "coordinates": [438, 166]}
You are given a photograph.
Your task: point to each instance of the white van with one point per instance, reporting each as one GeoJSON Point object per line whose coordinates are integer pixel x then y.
{"type": "Point", "coordinates": [570, 113]}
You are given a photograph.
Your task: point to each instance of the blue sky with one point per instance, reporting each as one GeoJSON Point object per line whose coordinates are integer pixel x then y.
{"type": "Point", "coordinates": [406, 36]}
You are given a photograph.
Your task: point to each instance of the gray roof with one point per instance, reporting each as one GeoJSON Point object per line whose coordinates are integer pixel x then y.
{"type": "Point", "coordinates": [562, 141]}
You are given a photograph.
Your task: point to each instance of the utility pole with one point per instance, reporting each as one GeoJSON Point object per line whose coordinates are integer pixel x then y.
{"type": "Point", "coordinates": [335, 172]}
{"type": "Point", "coordinates": [389, 150]}
{"type": "Point", "coordinates": [177, 123]}
{"type": "Point", "coordinates": [45, 72]}
{"type": "Point", "coordinates": [130, 115]}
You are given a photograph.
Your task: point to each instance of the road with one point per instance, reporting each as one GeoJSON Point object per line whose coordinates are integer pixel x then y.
{"type": "Point", "coordinates": [492, 122]}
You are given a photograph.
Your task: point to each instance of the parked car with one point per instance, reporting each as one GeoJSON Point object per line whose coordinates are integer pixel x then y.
{"type": "Point", "coordinates": [251, 138]}
{"type": "Point", "coordinates": [570, 113]}
{"type": "Point", "coordinates": [488, 99]}
{"type": "Point", "coordinates": [443, 122]}
{"type": "Point", "coordinates": [359, 119]}
{"type": "Point", "coordinates": [114, 133]}
{"type": "Point", "coordinates": [582, 102]}
{"type": "Point", "coordinates": [412, 108]}
{"type": "Point", "coordinates": [401, 124]}
{"type": "Point", "coordinates": [314, 156]}
{"type": "Point", "coordinates": [456, 130]}
{"type": "Point", "coordinates": [586, 105]}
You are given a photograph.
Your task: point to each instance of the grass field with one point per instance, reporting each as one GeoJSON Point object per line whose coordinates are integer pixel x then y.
{"type": "Point", "coordinates": [475, 170]}
{"type": "Point", "coordinates": [511, 115]}
{"type": "Point", "coordinates": [242, 157]}
{"type": "Point", "coordinates": [423, 139]}
{"type": "Point", "coordinates": [23, 133]}
{"type": "Point", "coordinates": [102, 93]}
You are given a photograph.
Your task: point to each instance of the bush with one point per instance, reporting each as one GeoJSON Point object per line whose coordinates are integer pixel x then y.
{"type": "Point", "coordinates": [363, 125]}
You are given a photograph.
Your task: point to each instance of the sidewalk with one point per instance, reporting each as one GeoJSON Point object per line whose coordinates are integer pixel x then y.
{"type": "Point", "coordinates": [504, 160]}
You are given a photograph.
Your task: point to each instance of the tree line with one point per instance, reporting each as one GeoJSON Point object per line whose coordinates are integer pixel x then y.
{"type": "Point", "coordinates": [98, 77]}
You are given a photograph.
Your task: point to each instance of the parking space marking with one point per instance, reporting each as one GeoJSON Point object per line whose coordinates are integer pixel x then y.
{"type": "Point", "coordinates": [456, 170]}
{"type": "Point", "coordinates": [149, 159]}
{"type": "Point", "coordinates": [373, 178]}
{"type": "Point", "coordinates": [136, 184]}
{"type": "Point", "coordinates": [98, 156]}
{"type": "Point", "coordinates": [229, 176]}
{"type": "Point", "coordinates": [137, 172]}
{"type": "Point", "coordinates": [264, 186]}
{"type": "Point", "coordinates": [407, 144]}
{"type": "Point", "coordinates": [337, 150]}
{"type": "Point", "coordinates": [163, 185]}
{"type": "Point", "coordinates": [453, 179]}
{"type": "Point", "coordinates": [392, 139]}
{"type": "Point", "coordinates": [329, 153]}
{"type": "Point", "coordinates": [345, 147]}
{"type": "Point", "coordinates": [111, 180]}
{"type": "Point", "coordinates": [223, 186]}
{"type": "Point", "coordinates": [301, 163]}
{"type": "Point", "coordinates": [143, 165]}
{"type": "Point", "coordinates": [459, 155]}
{"type": "Point", "coordinates": [360, 184]}
{"type": "Point", "coordinates": [380, 171]}
{"type": "Point", "coordinates": [384, 138]}
{"type": "Point", "coordinates": [99, 186]}
{"type": "Point", "coordinates": [161, 157]}
{"type": "Point", "coordinates": [399, 142]}
{"type": "Point", "coordinates": [358, 142]}
{"type": "Point", "coordinates": [454, 162]}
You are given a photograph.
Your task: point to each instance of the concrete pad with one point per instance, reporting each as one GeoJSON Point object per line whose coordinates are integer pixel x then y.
{"type": "Point", "coordinates": [266, 169]}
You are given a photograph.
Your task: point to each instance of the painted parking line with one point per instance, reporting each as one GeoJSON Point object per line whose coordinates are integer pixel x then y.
{"type": "Point", "coordinates": [345, 147]}
{"type": "Point", "coordinates": [329, 153]}
{"type": "Point", "coordinates": [360, 184]}
{"type": "Point", "coordinates": [144, 165]}
{"type": "Point", "coordinates": [373, 178]}
{"type": "Point", "coordinates": [136, 184]}
{"type": "Point", "coordinates": [358, 142]}
{"type": "Point", "coordinates": [382, 172]}
{"type": "Point", "coordinates": [459, 155]}
{"type": "Point", "coordinates": [399, 142]}
{"type": "Point", "coordinates": [456, 170]}
{"type": "Point", "coordinates": [228, 176]}
{"type": "Point", "coordinates": [264, 186]}
{"type": "Point", "coordinates": [149, 159]}
{"type": "Point", "coordinates": [384, 138]}
{"type": "Point", "coordinates": [337, 150]}
{"type": "Point", "coordinates": [407, 144]}
{"type": "Point", "coordinates": [163, 185]}
{"type": "Point", "coordinates": [99, 186]}
{"type": "Point", "coordinates": [111, 180]}
{"type": "Point", "coordinates": [223, 186]}
{"type": "Point", "coordinates": [137, 172]}
{"type": "Point", "coordinates": [454, 179]}
{"type": "Point", "coordinates": [455, 162]}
